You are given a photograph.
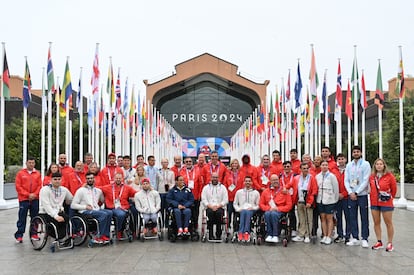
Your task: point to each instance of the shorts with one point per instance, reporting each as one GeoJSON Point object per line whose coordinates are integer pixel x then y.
{"type": "Point", "coordinates": [382, 208]}
{"type": "Point", "coordinates": [326, 208]}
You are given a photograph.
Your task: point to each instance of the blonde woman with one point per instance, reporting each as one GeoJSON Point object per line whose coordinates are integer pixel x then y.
{"type": "Point", "coordinates": [383, 189]}
{"type": "Point", "coordinates": [138, 178]}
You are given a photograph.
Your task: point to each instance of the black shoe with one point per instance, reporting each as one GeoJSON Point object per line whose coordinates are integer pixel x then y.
{"type": "Point", "coordinates": [346, 241]}
{"type": "Point", "coordinates": [338, 239]}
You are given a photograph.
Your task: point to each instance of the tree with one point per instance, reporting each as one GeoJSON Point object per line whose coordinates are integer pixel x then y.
{"type": "Point", "coordinates": [391, 137]}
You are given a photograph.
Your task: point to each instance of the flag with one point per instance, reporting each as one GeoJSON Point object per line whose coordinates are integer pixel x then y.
{"type": "Point", "coordinates": [324, 96]}
{"type": "Point", "coordinates": [118, 94]}
{"type": "Point", "coordinates": [66, 92]}
{"type": "Point", "coordinates": [27, 87]}
{"type": "Point", "coordinates": [132, 108]}
{"type": "Point", "coordinates": [363, 100]}
{"type": "Point", "coordinates": [126, 103]}
{"type": "Point", "coordinates": [271, 113]}
{"type": "Point", "coordinates": [400, 87]}
{"type": "Point", "coordinates": [110, 90]}
{"type": "Point", "coordinates": [379, 96]}
{"type": "Point", "coordinates": [79, 95]}
{"type": "Point", "coordinates": [348, 106]}
{"type": "Point", "coordinates": [50, 74]}
{"type": "Point", "coordinates": [95, 75]}
{"type": "Point", "coordinates": [355, 81]}
{"type": "Point", "coordinates": [260, 120]}
{"type": "Point", "coordinates": [6, 78]}
{"type": "Point", "coordinates": [338, 95]}
{"type": "Point", "coordinates": [298, 89]}
{"type": "Point", "coordinates": [313, 76]}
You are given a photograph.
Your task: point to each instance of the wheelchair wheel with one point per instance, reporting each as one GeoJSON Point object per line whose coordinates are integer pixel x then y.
{"type": "Point", "coordinates": [38, 227]}
{"type": "Point", "coordinates": [80, 230]}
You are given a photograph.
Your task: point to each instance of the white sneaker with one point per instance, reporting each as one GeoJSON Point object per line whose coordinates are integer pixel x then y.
{"type": "Point", "coordinates": [269, 239]}
{"type": "Point", "coordinates": [275, 239]}
{"type": "Point", "coordinates": [364, 244]}
{"type": "Point", "coordinates": [294, 233]}
{"type": "Point", "coordinates": [298, 239]}
{"type": "Point", "coordinates": [352, 242]}
{"type": "Point", "coordinates": [328, 240]}
{"type": "Point", "coordinates": [307, 240]}
{"type": "Point", "coordinates": [323, 239]}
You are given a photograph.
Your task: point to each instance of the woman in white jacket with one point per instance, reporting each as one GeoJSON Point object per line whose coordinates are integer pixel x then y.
{"type": "Point", "coordinates": [246, 202]}
{"type": "Point", "coordinates": [328, 195]}
{"type": "Point", "coordinates": [148, 203]}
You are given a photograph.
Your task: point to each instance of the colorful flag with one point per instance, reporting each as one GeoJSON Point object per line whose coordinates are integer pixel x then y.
{"type": "Point", "coordinates": [348, 106]}
{"type": "Point", "coordinates": [27, 87]}
{"type": "Point", "coordinates": [260, 120]}
{"type": "Point", "coordinates": [118, 94]}
{"type": "Point", "coordinates": [288, 88]}
{"type": "Point", "coordinates": [324, 95]}
{"type": "Point", "coordinates": [271, 113]}
{"type": "Point", "coordinates": [298, 89]}
{"type": "Point", "coordinates": [379, 95]}
{"type": "Point", "coordinates": [95, 75]}
{"type": "Point", "coordinates": [313, 76]}
{"type": "Point", "coordinates": [50, 74]}
{"type": "Point", "coordinates": [110, 87]}
{"type": "Point", "coordinates": [400, 87]}
{"type": "Point", "coordinates": [79, 95]}
{"type": "Point", "coordinates": [338, 95]}
{"type": "Point", "coordinates": [126, 103]}
{"type": "Point", "coordinates": [363, 100]}
{"type": "Point", "coordinates": [66, 92]}
{"type": "Point", "coordinates": [6, 78]}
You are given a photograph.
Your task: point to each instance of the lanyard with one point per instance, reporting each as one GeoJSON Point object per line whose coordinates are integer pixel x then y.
{"type": "Point", "coordinates": [110, 174]}
{"type": "Point", "coordinates": [235, 176]}
{"type": "Point", "coordinates": [214, 170]}
{"type": "Point", "coordinates": [120, 193]}
{"type": "Point", "coordinates": [78, 178]}
{"type": "Point", "coordinates": [188, 175]}
{"type": "Point", "coordinates": [283, 178]}
{"type": "Point", "coordinates": [92, 192]}
{"type": "Point", "coordinates": [266, 172]}
{"type": "Point", "coordinates": [304, 183]}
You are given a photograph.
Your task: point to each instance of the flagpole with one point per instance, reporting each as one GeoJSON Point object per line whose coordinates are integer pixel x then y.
{"type": "Point", "coordinates": [2, 132]}
{"type": "Point", "coordinates": [25, 125]}
{"type": "Point", "coordinates": [364, 151]}
{"type": "Point", "coordinates": [43, 128]}
{"type": "Point", "coordinates": [355, 94]}
{"type": "Point", "coordinates": [80, 112]}
{"type": "Point", "coordinates": [57, 99]}
{"type": "Point", "coordinates": [402, 201]}
{"type": "Point", "coordinates": [67, 131]}
{"type": "Point", "coordinates": [326, 111]}
{"type": "Point", "coordinates": [49, 113]}
{"type": "Point", "coordinates": [379, 77]}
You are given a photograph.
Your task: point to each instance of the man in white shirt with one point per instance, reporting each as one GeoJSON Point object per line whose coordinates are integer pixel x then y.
{"type": "Point", "coordinates": [87, 200]}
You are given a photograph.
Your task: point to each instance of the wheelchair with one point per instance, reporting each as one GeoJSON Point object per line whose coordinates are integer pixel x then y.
{"type": "Point", "coordinates": [224, 228]}
{"type": "Point", "coordinates": [172, 228]}
{"type": "Point", "coordinates": [44, 229]}
{"type": "Point", "coordinates": [127, 230]}
{"type": "Point", "coordinates": [255, 228]}
{"type": "Point", "coordinates": [285, 229]}
{"type": "Point", "coordinates": [85, 226]}
{"type": "Point", "coordinates": [141, 226]}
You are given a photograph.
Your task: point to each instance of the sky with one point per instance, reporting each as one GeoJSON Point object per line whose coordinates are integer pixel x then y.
{"type": "Point", "coordinates": [265, 39]}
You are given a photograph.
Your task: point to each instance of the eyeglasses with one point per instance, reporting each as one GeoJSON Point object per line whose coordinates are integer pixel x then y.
{"type": "Point", "coordinates": [188, 161]}
{"type": "Point", "coordinates": [286, 166]}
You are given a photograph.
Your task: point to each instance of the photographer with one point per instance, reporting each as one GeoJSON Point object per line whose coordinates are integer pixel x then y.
{"type": "Point", "coordinates": [383, 189]}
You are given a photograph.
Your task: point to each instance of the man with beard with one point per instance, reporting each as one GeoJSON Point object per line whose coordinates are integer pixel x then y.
{"type": "Point", "coordinates": [357, 174]}
{"type": "Point", "coordinates": [214, 199]}
{"type": "Point", "coordinates": [87, 200]}
{"type": "Point", "coordinates": [249, 170]}
{"type": "Point", "coordinates": [109, 171]}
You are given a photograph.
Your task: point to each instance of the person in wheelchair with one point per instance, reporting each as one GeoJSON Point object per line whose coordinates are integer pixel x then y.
{"type": "Point", "coordinates": [148, 203]}
{"type": "Point", "coordinates": [214, 198]}
{"type": "Point", "coordinates": [275, 201]}
{"type": "Point", "coordinates": [246, 203]}
{"type": "Point", "coordinates": [51, 199]}
{"type": "Point", "coordinates": [181, 199]}
{"type": "Point", "coordinates": [87, 201]}
{"type": "Point", "coordinates": [117, 197]}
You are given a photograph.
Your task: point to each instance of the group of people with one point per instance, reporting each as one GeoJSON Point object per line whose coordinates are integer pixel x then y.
{"type": "Point", "coordinates": [325, 188]}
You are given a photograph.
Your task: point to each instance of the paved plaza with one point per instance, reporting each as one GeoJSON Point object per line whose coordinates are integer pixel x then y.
{"type": "Point", "coordinates": [155, 257]}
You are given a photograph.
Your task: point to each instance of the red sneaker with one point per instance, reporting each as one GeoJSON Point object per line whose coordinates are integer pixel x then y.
{"type": "Point", "coordinates": [180, 231]}
{"type": "Point", "coordinates": [35, 237]}
{"type": "Point", "coordinates": [155, 231]}
{"type": "Point", "coordinates": [246, 236]}
{"type": "Point", "coordinates": [120, 235]}
{"type": "Point", "coordinates": [389, 247]}
{"type": "Point", "coordinates": [240, 236]}
{"type": "Point", "coordinates": [377, 246]}
{"type": "Point", "coordinates": [105, 238]}
{"type": "Point", "coordinates": [19, 239]}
